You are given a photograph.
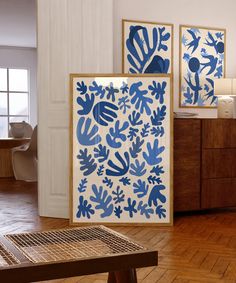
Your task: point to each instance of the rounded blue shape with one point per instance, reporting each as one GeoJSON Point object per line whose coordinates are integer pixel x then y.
{"type": "Point", "coordinates": [220, 47]}
{"type": "Point", "coordinates": [194, 64]}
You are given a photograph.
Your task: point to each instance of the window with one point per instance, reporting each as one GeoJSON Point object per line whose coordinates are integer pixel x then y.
{"type": "Point", "coordinates": [14, 98]}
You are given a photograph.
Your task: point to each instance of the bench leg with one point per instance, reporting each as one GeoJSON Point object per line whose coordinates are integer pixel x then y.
{"type": "Point", "coordinates": [123, 276]}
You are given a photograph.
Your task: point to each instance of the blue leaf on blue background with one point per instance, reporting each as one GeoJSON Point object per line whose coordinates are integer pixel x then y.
{"type": "Point", "coordinates": [107, 182]}
{"type": "Point", "coordinates": [100, 170]}
{"type": "Point", "coordinates": [132, 133]}
{"type": "Point", "coordinates": [125, 181]}
{"type": "Point", "coordinates": [158, 131]}
{"type": "Point", "coordinates": [136, 147]}
{"type": "Point", "coordinates": [119, 195]}
{"type": "Point", "coordinates": [137, 169]}
{"type": "Point", "coordinates": [153, 152]}
{"type": "Point", "coordinates": [88, 164]}
{"type": "Point", "coordinates": [88, 136]}
{"type": "Point", "coordinates": [154, 179]}
{"type": "Point", "coordinates": [81, 87]}
{"type": "Point", "coordinates": [131, 207]}
{"type": "Point", "coordinates": [97, 89]}
{"type": "Point", "coordinates": [84, 208]}
{"type": "Point", "coordinates": [156, 195]}
{"type": "Point", "coordinates": [145, 130]}
{"type": "Point", "coordinates": [160, 211]}
{"type": "Point", "coordinates": [104, 112]}
{"type": "Point", "coordinates": [116, 133]}
{"type": "Point", "coordinates": [103, 200]}
{"type": "Point", "coordinates": [145, 210]}
{"type": "Point", "coordinates": [158, 170]}
{"type": "Point", "coordinates": [140, 188]}
{"type": "Point", "coordinates": [82, 185]}
{"type": "Point", "coordinates": [119, 171]}
{"type": "Point", "coordinates": [135, 119]}
{"type": "Point", "coordinates": [158, 116]}
{"type": "Point", "coordinates": [118, 211]}
{"type": "Point", "coordinates": [101, 153]}
{"type": "Point", "coordinates": [86, 104]}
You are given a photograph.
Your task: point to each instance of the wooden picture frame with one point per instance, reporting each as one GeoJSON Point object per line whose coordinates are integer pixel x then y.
{"type": "Point", "coordinates": [202, 57]}
{"type": "Point", "coordinates": [121, 149]}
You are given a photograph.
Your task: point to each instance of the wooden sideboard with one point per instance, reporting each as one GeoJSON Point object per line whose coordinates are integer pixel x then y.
{"type": "Point", "coordinates": [204, 163]}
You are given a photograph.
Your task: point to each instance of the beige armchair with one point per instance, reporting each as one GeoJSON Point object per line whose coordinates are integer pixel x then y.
{"type": "Point", "coordinates": [25, 160]}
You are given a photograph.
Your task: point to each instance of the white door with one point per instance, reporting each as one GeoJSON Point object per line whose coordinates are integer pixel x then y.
{"type": "Point", "coordinates": [74, 36]}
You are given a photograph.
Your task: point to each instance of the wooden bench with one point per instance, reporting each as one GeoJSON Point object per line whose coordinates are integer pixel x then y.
{"type": "Point", "coordinates": [55, 254]}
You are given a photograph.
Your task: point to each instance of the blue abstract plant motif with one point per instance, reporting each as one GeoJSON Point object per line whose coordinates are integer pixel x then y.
{"type": "Point", "coordinates": [145, 210]}
{"type": "Point", "coordinates": [156, 195]}
{"type": "Point", "coordinates": [125, 181]}
{"type": "Point", "coordinates": [85, 135]}
{"type": "Point", "coordinates": [140, 188]}
{"type": "Point", "coordinates": [86, 104]}
{"type": "Point", "coordinates": [219, 72]}
{"type": "Point", "coordinates": [82, 185]}
{"type": "Point", "coordinates": [158, 90]}
{"type": "Point", "coordinates": [210, 92]}
{"type": "Point", "coordinates": [88, 164]}
{"type": "Point", "coordinates": [132, 133]}
{"type": "Point", "coordinates": [103, 200]}
{"type": "Point", "coordinates": [107, 182]}
{"type": "Point", "coordinates": [160, 211]}
{"type": "Point", "coordinates": [104, 112]}
{"type": "Point", "coordinates": [119, 171]}
{"type": "Point", "coordinates": [116, 134]}
{"type": "Point", "coordinates": [137, 169]}
{"type": "Point", "coordinates": [118, 211]}
{"type": "Point", "coordinates": [101, 153]}
{"type": "Point", "coordinates": [124, 88]}
{"type": "Point", "coordinates": [188, 95]}
{"type": "Point", "coordinates": [158, 170]}
{"type": "Point", "coordinates": [84, 208]}
{"type": "Point", "coordinates": [186, 57]}
{"type": "Point", "coordinates": [140, 99]}
{"type": "Point", "coordinates": [136, 147]}
{"type": "Point", "coordinates": [81, 87]}
{"type": "Point", "coordinates": [158, 131]}
{"type": "Point", "coordinates": [158, 116]}
{"type": "Point", "coordinates": [119, 195]}
{"type": "Point", "coordinates": [124, 103]}
{"type": "Point", "coordinates": [163, 37]}
{"type": "Point", "coordinates": [152, 154]}
{"type": "Point", "coordinates": [97, 89]}
{"type": "Point", "coordinates": [219, 35]}
{"type": "Point", "coordinates": [153, 179]}
{"type": "Point", "coordinates": [131, 204]}
{"type": "Point", "coordinates": [145, 130]}
{"type": "Point", "coordinates": [135, 119]}
{"type": "Point", "coordinates": [141, 50]}
{"type": "Point", "coordinates": [112, 92]}
{"type": "Point", "coordinates": [100, 170]}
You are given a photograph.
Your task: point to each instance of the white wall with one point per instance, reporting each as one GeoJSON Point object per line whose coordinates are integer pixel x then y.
{"type": "Point", "coordinates": [19, 57]}
{"type": "Point", "coordinates": [210, 13]}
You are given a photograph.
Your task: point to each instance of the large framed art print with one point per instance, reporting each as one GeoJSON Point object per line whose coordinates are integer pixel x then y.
{"type": "Point", "coordinates": [202, 59]}
{"type": "Point", "coordinates": [121, 149]}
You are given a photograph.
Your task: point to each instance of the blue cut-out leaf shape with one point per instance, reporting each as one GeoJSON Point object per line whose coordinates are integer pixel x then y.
{"type": "Point", "coordinates": [136, 147]}
{"type": "Point", "coordinates": [86, 104]}
{"type": "Point", "coordinates": [163, 37]}
{"type": "Point", "coordinates": [86, 135]}
{"type": "Point", "coordinates": [158, 90]}
{"type": "Point", "coordinates": [158, 131]}
{"type": "Point", "coordinates": [131, 207]}
{"type": "Point", "coordinates": [87, 163]}
{"type": "Point", "coordinates": [104, 112]}
{"type": "Point", "coordinates": [125, 181]}
{"type": "Point", "coordinates": [101, 153]}
{"type": "Point", "coordinates": [81, 87]}
{"type": "Point", "coordinates": [118, 211]}
{"type": "Point", "coordinates": [111, 92]}
{"type": "Point", "coordinates": [97, 89]}
{"type": "Point", "coordinates": [103, 200]}
{"type": "Point", "coordinates": [119, 195]}
{"type": "Point", "coordinates": [140, 188]}
{"type": "Point", "coordinates": [107, 182]}
{"type": "Point", "coordinates": [116, 170]}
{"type": "Point", "coordinates": [139, 98]}
{"type": "Point", "coordinates": [160, 211]}
{"type": "Point", "coordinates": [145, 130]}
{"type": "Point", "coordinates": [124, 103]}
{"type": "Point", "coordinates": [158, 116]}
{"type": "Point", "coordinates": [158, 170]}
{"type": "Point", "coordinates": [137, 169]}
{"type": "Point", "coordinates": [156, 195]}
{"type": "Point", "coordinates": [84, 208]}
{"type": "Point", "coordinates": [153, 179]}
{"type": "Point", "coordinates": [152, 156]}
{"type": "Point", "coordinates": [145, 210]}
{"type": "Point", "coordinates": [132, 133]}
{"type": "Point", "coordinates": [124, 88]}
{"type": "Point", "coordinates": [135, 119]}
{"type": "Point", "coordinates": [100, 170]}
{"type": "Point", "coordinates": [82, 185]}
{"type": "Point", "coordinates": [116, 134]}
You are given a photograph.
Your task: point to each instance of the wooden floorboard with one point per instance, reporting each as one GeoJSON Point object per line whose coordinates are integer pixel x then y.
{"type": "Point", "coordinates": [199, 248]}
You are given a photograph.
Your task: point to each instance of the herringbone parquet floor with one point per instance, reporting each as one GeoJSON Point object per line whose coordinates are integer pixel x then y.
{"type": "Point", "coordinates": [199, 248]}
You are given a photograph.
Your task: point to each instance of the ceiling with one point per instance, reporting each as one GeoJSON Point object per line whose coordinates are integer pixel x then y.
{"type": "Point", "coordinates": [18, 23]}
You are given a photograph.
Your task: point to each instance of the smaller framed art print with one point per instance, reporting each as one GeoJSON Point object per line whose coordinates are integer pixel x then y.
{"type": "Point", "coordinates": [202, 59]}
{"type": "Point", "coordinates": [121, 149]}
{"type": "Point", "coordinates": [147, 47]}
